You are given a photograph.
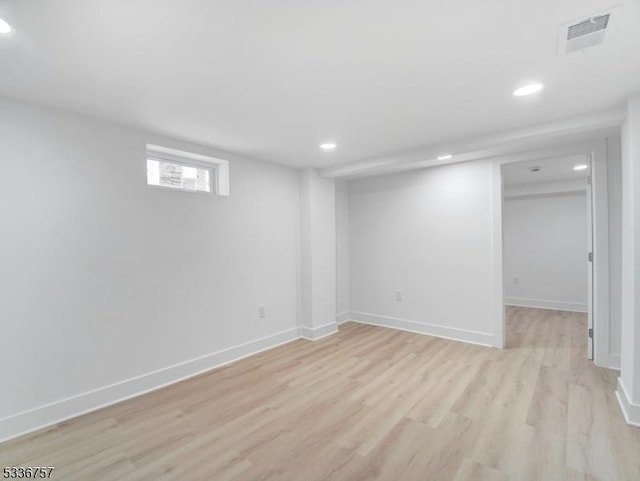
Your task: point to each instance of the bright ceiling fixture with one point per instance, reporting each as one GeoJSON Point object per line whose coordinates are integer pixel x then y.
{"type": "Point", "coordinates": [528, 89]}
{"type": "Point", "coordinates": [328, 146]}
{"type": "Point", "coordinates": [444, 157]}
{"type": "Point", "coordinates": [5, 27]}
{"type": "Point", "coordinates": [581, 167]}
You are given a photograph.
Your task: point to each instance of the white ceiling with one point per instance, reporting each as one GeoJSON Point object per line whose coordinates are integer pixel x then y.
{"type": "Point", "coordinates": [272, 79]}
{"type": "Point", "coordinates": [551, 170]}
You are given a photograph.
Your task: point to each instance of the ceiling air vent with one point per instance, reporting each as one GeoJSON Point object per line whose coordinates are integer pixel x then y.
{"type": "Point", "coordinates": [589, 26]}
{"type": "Point", "coordinates": [586, 32]}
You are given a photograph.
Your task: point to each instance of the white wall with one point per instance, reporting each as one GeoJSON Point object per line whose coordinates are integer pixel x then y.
{"type": "Point", "coordinates": [343, 300]}
{"type": "Point", "coordinates": [614, 181]}
{"type": "Point", "coordinates": [629, 381]}
{"type": "Point", "coordinates": [318, 255]}
{"type": "Point", "coordinates": [103, 279]}
{"type": "Point", "coordinates": [545, 248]}
{"type": "Point", "coordinates": [428, 233]}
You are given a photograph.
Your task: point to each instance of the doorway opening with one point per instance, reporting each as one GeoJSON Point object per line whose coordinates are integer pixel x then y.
{"type": "Point", "coordinates": [547, 240]}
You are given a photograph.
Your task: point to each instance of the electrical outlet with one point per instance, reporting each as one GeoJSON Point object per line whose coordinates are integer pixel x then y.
{"type": "Point", "coordinates": [398, 295]}
{"type": "Point", "coordinates": [516, 280]}
{"type": "Point", "coordinates": [262, 312]}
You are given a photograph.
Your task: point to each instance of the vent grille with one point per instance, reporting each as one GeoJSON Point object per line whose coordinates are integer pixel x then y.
{"type": "Point", "coordinates": [591, 30]}
{"type": "Point", "coordinates": [587, 27]}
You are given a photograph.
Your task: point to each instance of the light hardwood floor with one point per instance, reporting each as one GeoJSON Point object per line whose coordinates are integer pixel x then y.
{"type": "Point", "coordinates": [366, 403]}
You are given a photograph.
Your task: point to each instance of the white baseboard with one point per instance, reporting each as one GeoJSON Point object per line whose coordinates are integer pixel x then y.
{"type": "Point", "coordinates": [614, 361]}
{"type": "Point", "coordinates": [464, 335]}
{"type": "Point", "coordinates": [543, 304]}
{"type": "Point", "coordinates": [630, 411]}
{"type": "Point", "coordinates": [343, 317]}
{"type": "Point", "coordinates": [56, 412]}
{"type": "Point", "coordinates": [315, 333]}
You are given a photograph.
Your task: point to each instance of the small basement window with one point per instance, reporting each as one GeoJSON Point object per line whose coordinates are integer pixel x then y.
{"type": "Point", "coordinates": [187, 171]}
{"type": "Point", "coordinates": [175, 175]}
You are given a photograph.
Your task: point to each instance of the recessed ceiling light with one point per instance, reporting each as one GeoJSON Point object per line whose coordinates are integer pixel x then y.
{"type": "Point", "coordinates": [581, 167]}
{"type": "Point", "coordinates": [328, 146]}
{"type": "Point", "coordinates": [528, 90]}
{"type": "Point", "coordinates": [444, 157]}
{"type": "Point", "coordinates": [4, 27]}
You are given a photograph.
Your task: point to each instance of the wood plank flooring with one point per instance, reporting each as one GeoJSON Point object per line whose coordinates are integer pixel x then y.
{"type": "Point", "coordinates": [367, 403]}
